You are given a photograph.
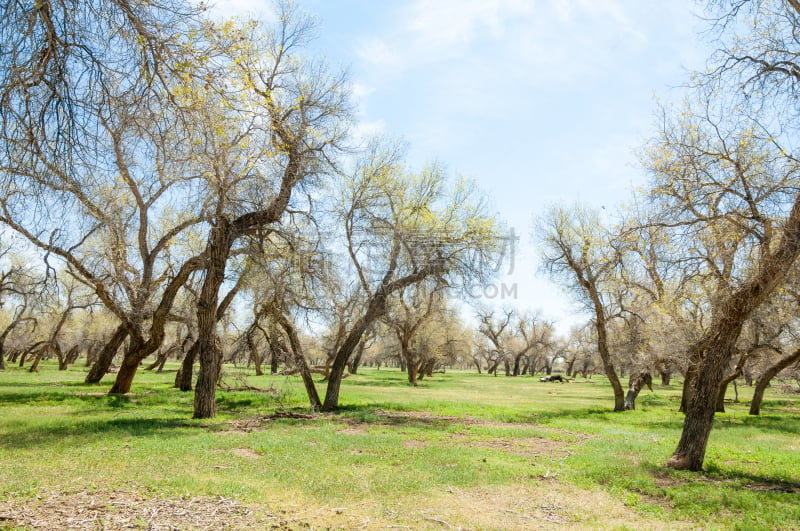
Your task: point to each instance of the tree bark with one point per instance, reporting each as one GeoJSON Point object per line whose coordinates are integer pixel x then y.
{"type": "Point", "coordinates": [255, 357]}
{"type": "Point", "coordinates": [635, 385]}
{"type": "Point", "coordinates": [183, 380]}
{"type": "Point", "coordinates": [605, 356]}
{"type": "Point", "coordinates": [217, 253]}
{"type": "Point", "coordinates": [690, 453]}
{"type": "Point", "coordinates": [763, 381]}
{"type": "Point", "coordinates": [723, 389]}
{"type": "Point", "coordinates": [570, 364]}
{"type": "Point", "coordinates": [127, 372]}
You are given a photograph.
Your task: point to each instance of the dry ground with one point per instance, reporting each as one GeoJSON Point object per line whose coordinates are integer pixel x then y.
{"type": "Point", "coordinates": [541, 503]}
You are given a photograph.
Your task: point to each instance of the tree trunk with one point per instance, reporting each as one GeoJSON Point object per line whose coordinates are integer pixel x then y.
{"type": "Point", "coordinates": [517, 363]}
{"type": "Point", "coordinates": [331, 402]}
{"type": "Point", "coordinates": [665, 377]}
{"type": "Point", "coordinates": [300, 360]}
{"type": "Point", "coordinates": [205, 393]}
{"type": "Point", "coordinates": [688, 385]}
{"type": "Point", "coordinates": [106, 357]}
{"type": "Point", "coordinates": [408, 358]}
{"type": "Point", "coordinates": [35, 365]}
{"type": "Point", "coordinates": [217, 251]}
{"type": "Point", "coordinates": [763, 381]}
{"type": "Point", "coordinates": [255, 357]}
{"type": "Point", "coordinates": [356, 361]}
{"type": "Point", "coordinates": [161, 359]}
{"type": "Point", "coordinates": [635, 385]}
{"type": "Point", "coordinates": [690, 453]}
{"type": "Point", "coordinates": [605, 355]}
{"type": "Point", "coordinates": [723, 389]}
{"type": "Point", "coordinates": [183, 380]}
{"type": "Point", "coordinates": [570, 364]}
{"type": "Point", "coordinates": [274, 362]}
{"type": "Point", "coordinates": [127, 372]}
{"type": "Point", "coordinates": [64, 361]}
{"type": "Point", "coordinates": [411, 369]}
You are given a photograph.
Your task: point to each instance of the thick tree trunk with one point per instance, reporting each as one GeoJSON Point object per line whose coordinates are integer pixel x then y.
{"type": "Point", "coordinates": [408, 358]}
{"type": "Point", "coordinates": [665, 377]}
{"type": "Point", "coordinates": [517, 363]}
{"type": "Point", "coordinates": [205, 393]}
{"type": "Point", "coordinates": [763, 381]}
{"type": "Point", "coordinates": [217, 252]}
{"type": "Point", "coordinates": [635, 385]}
{"type": "Point", "coordinates": [106, 357]}
{"type": "Point", "coordinates": [350, 343]}
{"type": "Point", "coordinates": [376, 308]}
{"type": "Point", "coordinates": [65, 360]}
{"type": "Point", "coordinates": [127, 372]}
{"type": "Point", "coordinates": [688, 385]}
{"type": "Point", "coordinates": [690, 453]}
{"type": "Point", "coordinates": [35, 365]}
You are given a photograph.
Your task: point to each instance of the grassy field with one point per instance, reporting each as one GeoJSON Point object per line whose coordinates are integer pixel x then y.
{"type": "Point", "coordinates": [460, 451]}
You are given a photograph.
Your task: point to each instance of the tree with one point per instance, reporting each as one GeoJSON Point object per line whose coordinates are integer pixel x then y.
{"type": "Point", "coordinates": [279, 122]}
{"type": "Point", "coordinates": [93, 151]}
{"type": "Point", "coordinates": [578, 251]}
{"type": "Point", "coordinates": [729, 185]}
{"type": "Point", "coordinates": [18, 286]}
{"type": "Point", "coordinates": [401, 229]}
{"type": "Point", "coordinates": [497, 331]}
{"type": "Point", "coordinates": [406, 314]}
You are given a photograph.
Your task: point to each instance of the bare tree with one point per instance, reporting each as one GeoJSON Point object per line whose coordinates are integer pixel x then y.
{"type": "Point", "coordinates": [497, 331]}
{"type": "Point", "coordinates": [402, 229]}
{"type": "Point", "coordinates": [582, 254]}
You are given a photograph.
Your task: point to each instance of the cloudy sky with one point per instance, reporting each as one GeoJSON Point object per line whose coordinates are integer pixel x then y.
{"type": "Point", "coordinates": [538, 101]}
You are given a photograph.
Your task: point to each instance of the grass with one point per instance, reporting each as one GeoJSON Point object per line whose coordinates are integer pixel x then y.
{"type": "Point", "coordinates": [462, 449]}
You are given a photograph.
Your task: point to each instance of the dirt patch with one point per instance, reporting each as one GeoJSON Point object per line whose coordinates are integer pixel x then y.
{"type": "Point", "coordinates": [534, 505]}
{"type": "Point", "coordinates": [415, 443]}
{"type": "Point", "coordinates": [353, 430]}
{"type": "Point", "coordinates": [527, 446]}
{"type": "Point", "coordinates": [126, 510]}
{"type": "Point", "coordinates": [246, 452]}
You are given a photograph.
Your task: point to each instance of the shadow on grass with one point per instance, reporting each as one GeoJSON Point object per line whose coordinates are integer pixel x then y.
{"type": "Point", "coordinates": [750, 481]}
{"type": "Point", "coordinates": [775, 423]}
{"type": "Point", "coordinates": [736, 480]}
{"type": "Point", "coordinates": [67, 433]}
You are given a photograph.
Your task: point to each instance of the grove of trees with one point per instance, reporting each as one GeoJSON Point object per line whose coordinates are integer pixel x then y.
{"type": "Point", "coordinates": [178, 186]}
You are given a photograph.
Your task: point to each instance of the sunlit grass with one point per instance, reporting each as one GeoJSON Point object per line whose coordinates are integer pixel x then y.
{"type": "Point", "coordinates": [458, 431]}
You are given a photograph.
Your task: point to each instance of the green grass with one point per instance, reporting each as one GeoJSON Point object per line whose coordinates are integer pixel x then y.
{"type": "Point", "coordinates": [465, 433]}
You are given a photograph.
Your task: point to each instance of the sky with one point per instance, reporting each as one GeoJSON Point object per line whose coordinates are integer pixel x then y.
{"type": "Point", "coordinates": [540, 102]}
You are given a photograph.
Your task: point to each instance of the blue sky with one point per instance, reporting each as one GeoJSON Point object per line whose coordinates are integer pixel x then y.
{"type": "Point", "coordinates": [538, 101]}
